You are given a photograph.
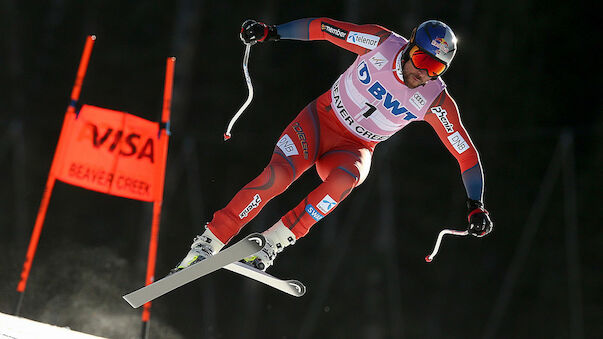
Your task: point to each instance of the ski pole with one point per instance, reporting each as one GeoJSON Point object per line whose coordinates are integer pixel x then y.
{"type": "Point", "coordinates": [249, 97]}
{"type": "Point", "coordinates": [430, 257]}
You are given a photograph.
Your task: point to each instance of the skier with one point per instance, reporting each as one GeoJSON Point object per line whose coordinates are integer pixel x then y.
{"type": "Point", "coordinates": [392, 82]}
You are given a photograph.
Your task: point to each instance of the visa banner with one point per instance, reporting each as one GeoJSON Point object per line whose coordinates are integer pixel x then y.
{"type": "Point", "coordinates": [110, 152]}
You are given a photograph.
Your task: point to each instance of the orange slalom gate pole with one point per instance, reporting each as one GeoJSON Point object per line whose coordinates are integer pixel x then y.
{"type": "Point", "coordinates": [35, 237]}
{"type": "Point", "coordinates": [163, 135]}
{"type": "Point", "coordinates": [81, 72]}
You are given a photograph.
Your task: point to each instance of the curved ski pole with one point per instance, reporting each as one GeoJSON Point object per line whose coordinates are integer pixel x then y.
{"type": "Point", "coordinates": [430, 257]}
{"type": "Point", "coordinates": [249, 97]}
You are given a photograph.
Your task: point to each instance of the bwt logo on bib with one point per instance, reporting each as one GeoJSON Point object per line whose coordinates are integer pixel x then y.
{"type": "Point", "coordinates": [379, 92]}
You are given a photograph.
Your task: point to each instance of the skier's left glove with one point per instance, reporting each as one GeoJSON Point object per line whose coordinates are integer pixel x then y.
{"type": "Point", "coordinates": [253, 31]}
{"type": "Point", "coordinates": [480, 223]}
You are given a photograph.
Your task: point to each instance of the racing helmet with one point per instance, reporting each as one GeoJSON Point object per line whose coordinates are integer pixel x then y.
{"type": "Point", "coordinates": [432, 47]}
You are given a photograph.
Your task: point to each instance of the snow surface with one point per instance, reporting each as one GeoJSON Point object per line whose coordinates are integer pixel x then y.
{"type": "Point", "coordinates": [20, 328]}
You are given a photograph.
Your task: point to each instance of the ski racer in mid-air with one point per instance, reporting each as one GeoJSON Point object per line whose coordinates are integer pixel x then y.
{"type": "Point", "coordinates": [392, 82]}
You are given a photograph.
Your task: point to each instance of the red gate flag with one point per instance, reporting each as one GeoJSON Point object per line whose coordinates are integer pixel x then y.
{"type": "Point", "coordinates": [110, 152]}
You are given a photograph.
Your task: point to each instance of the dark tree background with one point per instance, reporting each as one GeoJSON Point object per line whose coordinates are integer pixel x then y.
{"type": "Point", "coordinates": [526, 92]}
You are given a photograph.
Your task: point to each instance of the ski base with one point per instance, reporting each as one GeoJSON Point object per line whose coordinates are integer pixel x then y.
{"type": "Point", "coordinates": [244, 248]}
{"type": "Point", "coordinates": [292, 287]}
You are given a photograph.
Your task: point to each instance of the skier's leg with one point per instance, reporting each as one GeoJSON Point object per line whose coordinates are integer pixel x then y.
{"type": "Point", "coordinates": [342, 170]}
{"type": "Point", "coordinates": [295, 152]}
{"type": "Point", "coordinates": [343, 164]}
{"type": "Point", "coordinates": [249, 201]}
{"type": "Point", "coordinates": [243, 207]}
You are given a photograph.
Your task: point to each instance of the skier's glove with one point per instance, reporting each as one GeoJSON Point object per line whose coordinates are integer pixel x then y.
{"type": "Point", "coordinates": [480, 223]}
{"type": "Point", "coordinates": [253, 31]}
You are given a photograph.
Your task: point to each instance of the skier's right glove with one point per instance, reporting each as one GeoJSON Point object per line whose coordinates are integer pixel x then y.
{"type": "Point", "coordinates": [253, 31]}
{"type": "Point", "coordinates": [480, 223]}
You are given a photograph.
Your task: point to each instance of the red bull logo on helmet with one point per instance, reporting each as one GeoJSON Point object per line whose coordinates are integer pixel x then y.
{"type": "Point", "coordinates": [441, 45]}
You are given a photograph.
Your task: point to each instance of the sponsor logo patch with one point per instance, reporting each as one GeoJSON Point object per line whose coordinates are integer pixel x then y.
{"type": "Point", "coordinates": [326, 204]}
{"type": "Point", "coordinates": [378, 60]}
{"type": "Point", "coordinates": [441, 45]}
{"type": "Point", "coordinates": [287, 146]}
{"type": "Point", "coordinates": [332, 30]}
{"type": "Point", "coordinates": [252, 205]}
{"type": "Point", "coordinates": [417, 100]}
{"type": "Point", "coordinates": [441, 114]}
{"type": "Point", "coordinates": [368, 41]}
{"type": "Point", "coordinates": [313, 212]}
{"type": "Point", "coordinates": [457, 141]}
{"type": "Point", "coordinates": [302, 138]}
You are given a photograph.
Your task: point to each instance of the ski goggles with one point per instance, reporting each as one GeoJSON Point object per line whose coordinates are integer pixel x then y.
{"type": "Point", "coordinates": [422, 60]}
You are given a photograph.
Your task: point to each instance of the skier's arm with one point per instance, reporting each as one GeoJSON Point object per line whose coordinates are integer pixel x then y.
{"type": "Point", "coordinates": [359, 39]}
{"type": "Point", "coordinates": [444, 117]}
{"type": "Point", "coordinates": [340, 33]}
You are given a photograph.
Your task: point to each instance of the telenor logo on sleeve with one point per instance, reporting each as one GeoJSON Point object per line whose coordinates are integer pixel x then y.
{"type": "Point", "coordinates": [363, 40]}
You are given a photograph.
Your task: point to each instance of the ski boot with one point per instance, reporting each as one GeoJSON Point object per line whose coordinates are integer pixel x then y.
{"type": "Point", "coordinates": [277, 238]}
{"type": "Point", "coordinates": [204, 246]}
{"type": "Point", "coordinates": [264, 258]}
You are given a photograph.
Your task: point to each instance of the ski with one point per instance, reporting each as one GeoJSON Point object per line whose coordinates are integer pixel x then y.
{"type": "Point", "coordinates": [244, 248]}
{"type": "Point", "coordinates": [292, 287]}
